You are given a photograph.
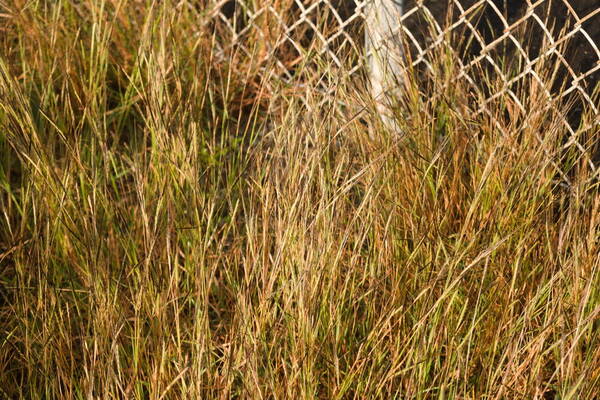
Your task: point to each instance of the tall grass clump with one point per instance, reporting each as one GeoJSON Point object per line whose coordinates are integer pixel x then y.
{"type": "Point", "coordinates": [175, 225]}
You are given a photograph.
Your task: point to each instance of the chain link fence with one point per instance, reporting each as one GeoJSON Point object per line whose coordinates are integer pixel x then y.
{"type": "Point", "coordinates": [508, 39]}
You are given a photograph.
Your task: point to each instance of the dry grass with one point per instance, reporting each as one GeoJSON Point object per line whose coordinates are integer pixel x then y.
{"type": "Point", "coordinates": [170, 229]}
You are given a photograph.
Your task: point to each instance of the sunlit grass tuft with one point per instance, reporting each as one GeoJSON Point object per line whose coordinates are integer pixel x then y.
{"type": "Point", "coordinates": [174, 225]}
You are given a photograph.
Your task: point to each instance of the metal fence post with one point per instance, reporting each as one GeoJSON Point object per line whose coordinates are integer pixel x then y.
{"type": "Point", "coordinates": [384, 55]}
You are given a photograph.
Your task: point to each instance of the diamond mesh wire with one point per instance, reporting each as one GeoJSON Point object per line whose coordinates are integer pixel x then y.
{"type": "Point", "coordinates": [508, 39]}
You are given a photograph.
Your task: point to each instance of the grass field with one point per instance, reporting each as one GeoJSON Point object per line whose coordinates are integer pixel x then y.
{"type": "Point", "coordinates": [175, 226]}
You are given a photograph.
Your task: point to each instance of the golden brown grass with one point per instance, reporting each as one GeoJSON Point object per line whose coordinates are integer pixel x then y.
{"type": "Point", "coordinates": [174, 226]}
